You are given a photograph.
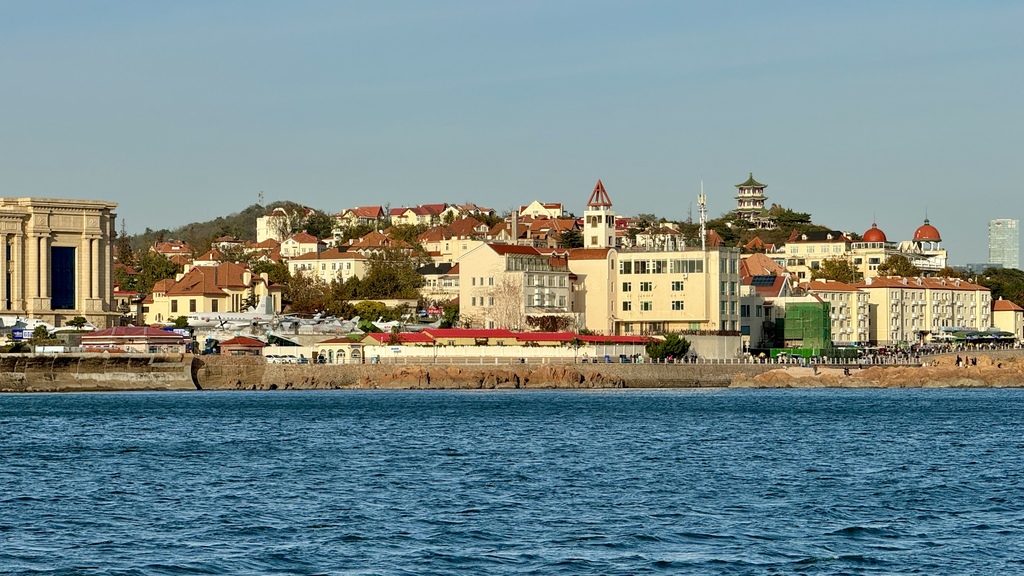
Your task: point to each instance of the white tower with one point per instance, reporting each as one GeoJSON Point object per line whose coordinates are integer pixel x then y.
{"type": "Point", "coordinates": [599, 220]}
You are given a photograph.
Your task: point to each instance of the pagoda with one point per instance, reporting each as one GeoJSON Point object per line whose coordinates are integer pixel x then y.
{"type": "Point", "coordinates": [750, 204]}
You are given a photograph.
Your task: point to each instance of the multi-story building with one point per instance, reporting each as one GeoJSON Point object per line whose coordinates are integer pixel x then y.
{"type": "Point", "coordinates": [58, 260]}
{"type": "Point", "coordinates": [594, 272]}
{"type": "Point", "coordinates": [329, 265]}
{"type": "Point", "coordinates": [508, 286]}
{"type": "Point", "coordinates": [908, 310]}
{"type": "Point", "coordinates": [805, 252]}
{"type": "Point", "coordinates": [1004, 242]}
{"type": "Point", "coordinates": [227, 287]}
{"type": "Point", "coordinates": [848, 310]}
{"type": "Point", "coordinates": [1008, 317]}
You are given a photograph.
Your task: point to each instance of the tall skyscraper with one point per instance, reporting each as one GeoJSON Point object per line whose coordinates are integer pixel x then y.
{"type": "Point", "coordinates": [1004, 242]}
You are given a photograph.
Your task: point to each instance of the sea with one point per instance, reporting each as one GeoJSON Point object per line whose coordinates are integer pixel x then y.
{"type": "Point", "coordinates": [903, 481]}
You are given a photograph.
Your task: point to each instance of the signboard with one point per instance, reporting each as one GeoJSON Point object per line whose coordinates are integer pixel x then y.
{"type": "Point", "coordinates": [18, 334]}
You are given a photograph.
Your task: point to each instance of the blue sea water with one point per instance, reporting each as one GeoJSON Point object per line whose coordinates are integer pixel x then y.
{"type": "Point", "coordinates": [513, 482]}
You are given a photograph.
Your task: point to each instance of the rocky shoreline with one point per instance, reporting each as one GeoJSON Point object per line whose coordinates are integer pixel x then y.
{"type": "Point", "coordinates": [98, 372]}
{"type": "Point", "coordinates": [993, 370]}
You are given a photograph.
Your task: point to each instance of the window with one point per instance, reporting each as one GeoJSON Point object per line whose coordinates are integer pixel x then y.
{"type": "Point", "coordinates": [490, 300]}
{"type": "Point", "coordinates": [732, 266]}
{"type": "Point", "coordinates": [732, 307]}
{"type": "Point", "coordinates": [677, 304]}
{"type": "Point", "coordinates": [192, 305]}
{"type": "Point", "coordinates": [490, 281]}
{"type": "Point", "coordinates": [627, 286]}
{"type": "Point", "coordinates": [625, 267]}
{"type": "Point", "coordinates": [627, 327]}
{"type": "Point", "coordinates": [646, 286]}
{"type": "Point", "coordinates": [627, 306]}
{"type": "Point", "coordinates": [473, 303]}
{"type": "Point", "coordinates": [721, 307]}
{"type": "Point", "coordinates": [174, 306]}
{"type": "Point", "coordinates": [474, 280]}
{"type": "Point", "coordinates": [744, 310]}
{"type": "Point", "coordinates": [561, 301]}
{"type": "Point", "coordinates": [561, 281]}
{"type": "Point", "coordinates": [646, 305]}
{"type": "Point", "coordinates": [214, 305]}
{"type": "Point", "coordinates": [677, 285]}
{"type": "Point", "coordinates": [722, 288]}
{"type": "Point", "coordinates": [593, 240]}
{"type": "Point", "coordinates": [810, 249]}
{"type": "Point", "coordinates": [641, 267]}
{"type": "Point", "coordinates": [732, 288]}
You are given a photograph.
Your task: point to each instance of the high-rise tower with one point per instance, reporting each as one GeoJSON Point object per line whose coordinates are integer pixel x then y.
{"type": "Point", "coordinates": [1004, 242]}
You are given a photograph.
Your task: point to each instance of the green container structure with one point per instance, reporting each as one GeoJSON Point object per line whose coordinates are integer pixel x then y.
{"type": "Point", "coordinates": [807, 325]}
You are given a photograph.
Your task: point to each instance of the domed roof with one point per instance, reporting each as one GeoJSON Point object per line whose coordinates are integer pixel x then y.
{"type": "Point", "coordinates": [874, 234]}
{"type": "Point", "coordinates": [927, 233]}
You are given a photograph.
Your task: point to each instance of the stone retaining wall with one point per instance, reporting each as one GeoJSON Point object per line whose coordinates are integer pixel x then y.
{"type": "Point", "coordinates": [94, 372]}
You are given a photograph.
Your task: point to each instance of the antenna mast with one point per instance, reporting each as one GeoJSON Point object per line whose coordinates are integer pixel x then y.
{"type": "Point", "coordinates": [702, 202]}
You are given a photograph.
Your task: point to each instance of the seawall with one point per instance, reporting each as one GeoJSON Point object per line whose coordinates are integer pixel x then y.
{"type": "Point", "coordinates": [239, 373]}
{"type": "Point", "coordinates": [95, 372]}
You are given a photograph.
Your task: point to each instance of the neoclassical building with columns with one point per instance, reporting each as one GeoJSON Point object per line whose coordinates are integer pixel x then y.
{"type": "Point", "coordinates": [58, 260]}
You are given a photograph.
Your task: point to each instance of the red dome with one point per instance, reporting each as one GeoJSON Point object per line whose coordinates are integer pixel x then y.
{"type": "Point", "coordinates": [874, 235]}
{"type": "Point", "coordinates": [927, 233]}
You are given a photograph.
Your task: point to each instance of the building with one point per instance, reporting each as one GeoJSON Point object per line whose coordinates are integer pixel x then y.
{"type": "Point", "coordinates": [750, 201]}
{"type": "Point", "coordinates": [135, 339]}
{"type": "Point", "coordinates": [848, 310]}
{"type": "Point", "coordinates": [227, 287]}
{"type": "Point", "coordinates": [538, 209]}
{"type": "Point", "coordinates": [329, 265]}
{"type": "Point", "coordinates": [593, 275]}
{"type": "Point", "coordinates": [908, 310]}
{"type": "Point", "coordinates": [1008, 317]}
{"type": "Point", "coordinates": [805, 252]}
{"type": "Point", "coordinates": [58, 261]}
{"type": "Point", "coordinates": [1004, 242]}
{"type": "Point", "coordinates": [599, 220]}
{"type": "Point", "coordinates": [506, 286]}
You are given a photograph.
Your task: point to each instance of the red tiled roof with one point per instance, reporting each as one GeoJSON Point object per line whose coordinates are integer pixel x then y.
{"type": "Point", "coordinates": [912, 283]}
{"type": "Point", "coordinates": [438, 333]}
{"type": "Point", "coordinates": [243, 342]}
{"type": "Point", "coordinates": [303, 238]}
{"type": "Point", "coordinates": [365, 212]}
{"type": "Point", "coordinates": [330, 254]}
{"type": "Point", "coordinates": [830, 286]}
{"type": "Point", "coordinates": [760, 265]}
{"type": "Point", "coordinates": [1006, 306]}
{"type": "Point", "coordinates": [503, 249]}
{"type": "Point", "coordinates": [129, 332]}
{"type": "Point", "coordinates": [403, 337]}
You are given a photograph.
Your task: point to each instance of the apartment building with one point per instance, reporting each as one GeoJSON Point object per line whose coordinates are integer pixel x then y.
{"type": "Point", "coordinates": [907, 310]}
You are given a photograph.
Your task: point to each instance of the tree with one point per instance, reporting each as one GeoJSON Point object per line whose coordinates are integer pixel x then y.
{"type": "Point", "coordinates": [319, 224]}
{"type": "Point", "coordinates": [276, 272]}
{"type": "Point", "coordinates": [39, 335]}
{"type": "Point", "coordinates": [392, 274]}
{"type": "Point", "coordinates": [507, 310]}
{"type": "Point", "coordinates": [307, 293]}
{"type": "Point", "coordinates": [393, 338]}
{"type": "Point", "coordinates": [570, 239]}
{"type": "Point", "coordinates": [673, 345]}
{"type": "Point", "coordinates": [78, 322]}
{"type": "Point", "coordinates": [949, 272]}
{"type": "Point", "coordinates": [449, 316]}
{"type": "Point", "coordinates": [549, 323]}
{"type": "Point", "coordinates": [1005, 283]}
{"type": "Point", "coordinates": [180, 322]}
{"type": "Point", "coordinates": [837, 269]}
{"type": "Point", "coordinates": [153, 267]}
{"type": "Point", "coordinates": [898, 265]}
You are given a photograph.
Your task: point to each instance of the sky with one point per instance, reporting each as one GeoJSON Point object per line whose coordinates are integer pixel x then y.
{"type": "Point", "coordinates": [184, 111]}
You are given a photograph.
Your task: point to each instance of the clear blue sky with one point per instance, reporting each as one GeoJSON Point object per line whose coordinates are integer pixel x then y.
{"type": "Point", "coordinates": [183, 111]}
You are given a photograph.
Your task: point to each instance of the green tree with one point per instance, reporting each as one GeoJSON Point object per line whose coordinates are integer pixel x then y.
{"type": "Point", "coordinates": [153, 267]}
{"type": "Point", "coordinates": [370, 310]}
{"type": "Point", "coordinates": [307, 293]}
{"type": "Point", "coordinates": [897, 265]}
{"type": "Point", "coordinates": [570, 239]}
{"type": "Point", "coordinates": [319, 224]}
{"type": "Point", "coordinates": [449, 316]}
{"type": "Point", "coordinates": [180, 322]}
{"type": "Point", "coordinates": [78, 322]}
{"type": "Point", "coordinates": [837, 269]}
{"type": "Point", "coordinates": [673, 345]}
{"type": "Point", "coordinates": [1005, 283]}
{"type": "Point", "coordinates": [39, 335]}
{"type": "Point", "coordinates": [393, 338]}
{"type": "Point", "coordinates": [277, 272]}
{"type": "Point", "coordinates": [391, 274]}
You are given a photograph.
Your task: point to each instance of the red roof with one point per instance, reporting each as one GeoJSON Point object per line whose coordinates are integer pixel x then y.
{"type": "Point", "coordinates": [1006, 306]}
{"type": "Point", "coordinates": [588, 253]}
{"type": "Point", "coordinates": [304, 238]}
{"type": "Point", "coordinates": [242, 341]}
{"type": "Point", "coordinates": [403, 337]}
{"type": "Point", "coordinates": [132, 332]}
{"type": "Point", "coordinates": [439, 333]}
{"type": "Point", "coordinates": [875, 234]}
{"type": "Point", "coordinates": [927, 233]}
{"type": "Point", "coordinates": [503, 249]}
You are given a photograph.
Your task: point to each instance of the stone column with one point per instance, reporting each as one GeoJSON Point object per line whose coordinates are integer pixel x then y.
{"type": "Point", "coordinates": [94, 267]}
{"type": "Point", "coordinates": [44, 267]}
{"type": "Point", "coordinates": [18, 273]}
{"type": "Point", "coordinates": [4, 238]}
{"type": "Point", "coordinates": [31, 267]}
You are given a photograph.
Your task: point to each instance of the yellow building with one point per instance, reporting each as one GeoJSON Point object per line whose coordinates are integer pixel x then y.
{"type": "Point", "coordinates": [672, 291]}
{"type": "Point", "coordinates": [58, 260]}
{"type": "Point", "coordinates": [594, 272]}
{"type": "Point", "coordinates": [908, 310]}
{"type": "Point", "coordinates": [503, 286]}
{"type": "Point", "coordinates": [805, 252]}
{"type": "Point", "coordinates": [329, 265]}
{"type": "Point", "coordinates": [1008, 317]}
{"type": "Point", "coordinates": [227, 287]}
{"type": "Point", "coordinates": [849, 307]}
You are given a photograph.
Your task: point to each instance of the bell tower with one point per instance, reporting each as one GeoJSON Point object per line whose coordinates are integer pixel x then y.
{"type": "Point", "coordinates": [599, 220]}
